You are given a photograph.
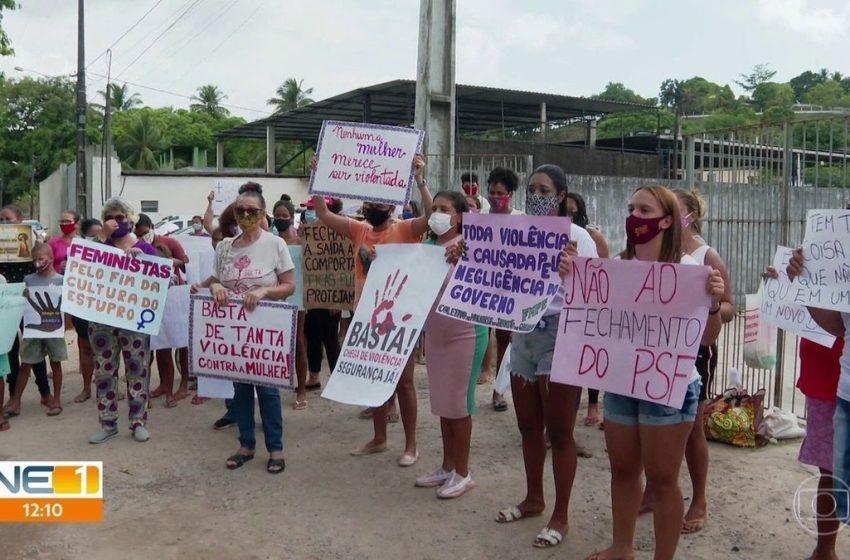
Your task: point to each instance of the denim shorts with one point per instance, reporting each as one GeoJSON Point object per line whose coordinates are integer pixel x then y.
{"type": "Point", "coordinates": [841, 460]}
{"type": "Point", "coordinates": [532, 352]}
{"type": "Point", "coordinates": [632, 412]}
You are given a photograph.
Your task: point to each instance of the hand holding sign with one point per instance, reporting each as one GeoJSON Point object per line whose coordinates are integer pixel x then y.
{"type": "Point", "coordinates": [715, 288]}
{"type": "Point", "coordinates": [570, 251]}
{"type": "Point", "coordinates": [796, 263]}
{"type": "Point", "coordinates": [48, 312]}
{"type": "Point", "coordinates": [418, 168]}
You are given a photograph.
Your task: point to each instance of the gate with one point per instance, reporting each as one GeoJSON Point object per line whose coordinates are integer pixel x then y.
{"type": "Point", "coordinates": [480, 165]}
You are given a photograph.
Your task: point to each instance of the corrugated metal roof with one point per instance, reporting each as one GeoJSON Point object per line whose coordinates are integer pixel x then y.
{"type": "Point", "coordinates": [478, 109]}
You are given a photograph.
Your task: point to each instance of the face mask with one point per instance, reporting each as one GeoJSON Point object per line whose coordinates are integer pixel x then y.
{"type": "Point", "coordinates": [375, 216]}
{"type": "Point", "coordinates": [149, 236]}
{"type": "Point", "coordinates": [68, 229]}
{"type": "Point", "coordinates": [407, 215]}
{"type": "Point", "coordinates": [249, 221]}
{"type": "Point", "coordinates": [440, 223]}
{"type": "Point", "coordinates": [499, 204]}
{"type": "Point", "coordinates": [642, 230]}
{"type": "Point", "coordinates": [281, 225]}
{"type": "Point", "coordinates": [686, 220]}
{"type": "Point", "coordinates": [540, 205]}
{"type": "Point", "coordinates": [197, 227]}
{"type": "Point", "coordinates": [122, 230]}
{"type": "Point", "coordinates": [90, 238]}
{"type": "Point", "coordinates": [310, 216]}
{"type": "Point", "coordinates": [470, 190]}
{"type": "Point", "coordinates": [41, 264]}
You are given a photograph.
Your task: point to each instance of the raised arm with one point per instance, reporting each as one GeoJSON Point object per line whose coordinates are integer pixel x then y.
{"type": "Point", "coordinates": [208, 214]}
{"type": "Point", "coordinates": [420, 224]}
{"type": "Point", "coordinates": [334, 221]}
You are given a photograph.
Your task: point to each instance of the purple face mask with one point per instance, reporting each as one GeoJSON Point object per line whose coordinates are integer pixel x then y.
{"type": "Point", "coordinates": [122, 230]}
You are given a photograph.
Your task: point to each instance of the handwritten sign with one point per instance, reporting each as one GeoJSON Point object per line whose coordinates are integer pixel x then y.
{"type": "Point", "coordinates": [226, 191]}
{"type": "Point", "coordinates": [228, 342]}
{"type": "Point", "coordinates": [16, 242]}
{"type": "Point", "coordinates": [631, 327]}
{"type": "Point", "coordinates": [328, 269]}
{"type": "Point", "coordinates": [825, 281]}
{"type": "Point", "coordinates": [789, 316]}
{"type": "Point", "coordinates": [174, 332]}
{"type": "Point", "coordinates": [371, 162]}
{"type": "Point", "coordinates": [510, 272]}
{"type": "Point", "coordinates": [401, 287]}
{"type": "Point", "coordinates": [42, 315]}
{"type": "Point", "coordinates": [201, 255]}
{"type": "Point", "coordinates": [297, 297]}
{"type": "Point", "coordinates": [107, 286]}
{"type": "Point", "coordinates": [12, 305]}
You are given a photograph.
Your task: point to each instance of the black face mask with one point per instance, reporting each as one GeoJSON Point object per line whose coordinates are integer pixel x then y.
{"type": "Point", "coordinates": [375, 217]}
{"type": "Point", "coordinates": [281, 225]}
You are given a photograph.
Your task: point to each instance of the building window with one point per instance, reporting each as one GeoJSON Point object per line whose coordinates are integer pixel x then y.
{"type": "Point", "coordinates": [150, 206]}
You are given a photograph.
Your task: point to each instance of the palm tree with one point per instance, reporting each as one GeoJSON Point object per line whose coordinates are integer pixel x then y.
{"type": "Point", "coordinates": [290, 95]}
{"type": "Point", "coordinates": [120, 98]}
{"type": "Point", "coordinates": [209, 99]}
{"type": "Point", "coordinates": [139, 148]}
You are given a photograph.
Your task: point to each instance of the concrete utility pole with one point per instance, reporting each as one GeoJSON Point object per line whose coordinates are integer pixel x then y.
{"type": "Point", "coordinates": [107, 138]}
{"type": "Point", "coordinates": [81, 110]}
{"type": "Point", "coordinates": [435, 89]}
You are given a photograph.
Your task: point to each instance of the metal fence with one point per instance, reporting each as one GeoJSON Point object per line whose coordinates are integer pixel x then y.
{"type": "Point", "coordinates": [480, 166]}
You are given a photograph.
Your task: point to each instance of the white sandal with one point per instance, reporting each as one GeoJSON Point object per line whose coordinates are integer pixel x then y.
{"type": "Point", "coordinates": [548, 538]}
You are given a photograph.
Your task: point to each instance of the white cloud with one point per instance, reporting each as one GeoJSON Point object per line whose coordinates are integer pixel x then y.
{"type": "Point", "coordinates": [817, 24]}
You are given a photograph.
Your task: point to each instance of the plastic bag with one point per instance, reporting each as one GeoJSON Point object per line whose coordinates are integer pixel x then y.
{"type": "Point", "coordinates": [759, 336]}
{"type": "Point", "coordinates": [782, 424]}
{"type": "Point", "coordinates": [503, 378]}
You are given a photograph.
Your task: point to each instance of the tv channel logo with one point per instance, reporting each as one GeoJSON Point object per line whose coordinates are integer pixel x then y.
{"type": "Point", "coordinates": [833, 503]}
{"type": "Point", "coordinates": [55, 491]}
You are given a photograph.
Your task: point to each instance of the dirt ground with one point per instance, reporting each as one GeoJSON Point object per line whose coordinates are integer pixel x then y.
{"type": "Point", "coordinates": [173, 498]}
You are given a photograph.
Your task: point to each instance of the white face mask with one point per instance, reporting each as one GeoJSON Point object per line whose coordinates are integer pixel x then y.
{"type": "Point", "coordinates": [440, 223]}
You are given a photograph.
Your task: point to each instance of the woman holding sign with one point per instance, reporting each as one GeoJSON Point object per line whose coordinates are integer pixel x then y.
{"type": "Point", "coordinates": [379, 228]}
{"type": "Point", "coordinates": [255, 265]}
{"type": "Point", "coordinates": [642, 435]}
{"type": "Point", "coordinates": [108, 342]}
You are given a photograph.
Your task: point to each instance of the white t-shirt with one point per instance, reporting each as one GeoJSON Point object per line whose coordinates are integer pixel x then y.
{"type": "Point", "coordinates": [257, 265]}
{"type": "Point", "coordinates": [586, 248]}
{"type": "Point", "coordinates": [844, 380]}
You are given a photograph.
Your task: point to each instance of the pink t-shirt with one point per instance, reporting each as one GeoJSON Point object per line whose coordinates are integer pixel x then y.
{"type": "Point", "coordinates": [60, 252]}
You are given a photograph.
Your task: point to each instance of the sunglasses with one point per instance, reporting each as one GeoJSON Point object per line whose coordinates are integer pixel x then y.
{"type": "Point", "coordinates": [117, 217]}
{"type": "Point", "coordinates": [247, 211]}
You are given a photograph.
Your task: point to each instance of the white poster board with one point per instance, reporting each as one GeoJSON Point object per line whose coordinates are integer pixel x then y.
{"type": "Point", "coordinates": [226, 191]}
{"type": "Point", "coordinates": [174, 332]}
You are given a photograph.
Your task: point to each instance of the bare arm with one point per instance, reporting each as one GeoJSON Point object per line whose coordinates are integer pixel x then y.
{"type": "Point", "coordinates": [727, 302]}
{"type": "Point", "coordinates": [420, 224]}
{"type": "Point", "coordinates": [716, 288]}
{"type": "Point", "coordinates": [601, 242]}
{"type": "Point", "coordinates": [828, 320]}
{"type": "Point", "coordinates": [337, 223]}
{"type": "Point", "coordinates": [208, 214]}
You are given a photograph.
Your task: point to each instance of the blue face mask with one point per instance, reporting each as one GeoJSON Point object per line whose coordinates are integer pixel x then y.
{"type": "Point", "coordinates": [407, 215]}
{"type": "Point", "coordinates": [309, 216]}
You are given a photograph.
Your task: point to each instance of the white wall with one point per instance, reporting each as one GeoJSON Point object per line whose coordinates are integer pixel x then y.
{"type": "Point", "coordinates": [187, 195]}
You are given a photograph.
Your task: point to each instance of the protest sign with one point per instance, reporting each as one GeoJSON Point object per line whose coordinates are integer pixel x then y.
{"type": "Point", "coordinates": [16, 242]}
{"type": "Point", "coordinates": [400, 289]}
{"type": "Point", "coordinates": [785, 315]}
{"type": "Point", "coordinates": [631, 327]}
{"type": "Point", "coordinates": [825, 280]}
{"type": "Point", "coordinates": [509, 274]}
{"type": "Point", "coordinates": [214, 388]}
{"type": "Point", "coordinates": [226, 191]}
{"type": "Point", "coordinates": [297, 297]}
{"type": "Point", "coordinates": [229, 342]}
{"type": "Point", "coordinates": [42, 314]}
{"type": "Point", "coordinates": [12, 304]}
{"type": "Point", "coordinates": [201, 255]}
{"type": "Point", "coordinates": [363, 161]}
{"type": "Point", "coordinates": [174, 332]}
{"type": "Point", "coordinates": [106, 285]}
{"type": "Point", "coordinates": [328, 269]}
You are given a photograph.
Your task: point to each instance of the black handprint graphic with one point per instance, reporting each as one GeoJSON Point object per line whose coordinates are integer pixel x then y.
{"type": "Point", "coordinates": [382, 317]}
{"type": "Point", "coordinates": [51, 317]}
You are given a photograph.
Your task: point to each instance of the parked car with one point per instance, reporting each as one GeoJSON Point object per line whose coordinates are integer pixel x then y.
{"type": "Point", "coordinates": [39, 230]}
{"type": "Point", "coordinates": [170, 224]}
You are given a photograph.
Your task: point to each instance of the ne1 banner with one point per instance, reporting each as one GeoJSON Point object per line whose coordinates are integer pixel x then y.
{"type": "Point", "coordinates": [328, 269]}
{"type": "Point", "coordinates": [363, 161]}
{"type": "Point", "coordinates": [229, 342]}
{"type": "Point", "coordinates": [785, 315]}
{"type": "Point", "coordinates": [825, 280]}
{"type": "Point", "coordinates": [105, 285]}
{"type": "Point", "coordinates": [509, 274]}
{"type": "Point", "coordinates": [401, 287]}
{"type": "Point", "coordinates": [631, 327]}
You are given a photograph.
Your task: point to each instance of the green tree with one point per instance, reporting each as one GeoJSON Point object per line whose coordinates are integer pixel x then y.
{"type": "Point", "coordinates": [208, 100]}
{"type": "Point", "coordinates": [828, 94]}
{"type": "Point", "coordinates": [290, 95]}
{"type": "Point", "coordinates": [120, 98]}
{"type": "Point", "coordinates": [761, 74]}
{"type": "Point", "coordinates": [804, 82]}
{"type": "Point", "coordinates": [773, 97]}
{"type": "Point", "coordinates": [5, 44]}
{"type": "Point", "coordinates": [616, 91]}
{"type": "Point", "coordinates": [141, 144]}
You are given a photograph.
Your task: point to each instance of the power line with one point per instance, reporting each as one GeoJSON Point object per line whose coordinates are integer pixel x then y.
{"type": "Point", "coordinates": [132, 27]}
{"type": "Point", "coordinates": [158, 37]}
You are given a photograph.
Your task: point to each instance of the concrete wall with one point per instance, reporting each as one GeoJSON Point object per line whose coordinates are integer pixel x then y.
{"type": "Point", "coordinates": [575, 160]}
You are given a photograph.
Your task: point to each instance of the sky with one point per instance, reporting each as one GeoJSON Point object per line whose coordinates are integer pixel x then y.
{"type": "Point", "coordinates": [571, 47]}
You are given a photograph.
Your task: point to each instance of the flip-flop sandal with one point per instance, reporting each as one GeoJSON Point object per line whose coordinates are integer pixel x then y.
{"type": "Point", "coordinates": [363, 451]}
{"type": "Point", "coordinates": [11, 414]}
{"type": "Point", "coordinates": [583, 452]}
{"type": "Point", "coordinates": [54, 411]}
{"type": "Point", "coordinates": [275, 466]}
{"type": "Point", "coordinates": [591, 421]}
{"type": "Point", "coordinates": [513, 513]}
{"type": "Point", "coordinates": [299, 405]}
{"type": "Point", "coordinates": [547, 538]}
{"type": "Point", "coordinates": [393, 417]}
{"type": "Point", "coordinates": [313, 386]}
{"type": "Point", "coordinates": [238, 460]}
{"type": "Point", "coordinates": [171, 404]}
{"type": "Point", "coordinates": [4, 425]}
{"type": "Point", "coordinates": [692, 526]}
{"type": "Point", "coordinates": [81, 398]}
{"type": "Point", "coordinates": [500, 406]}
{"type": "Point", "coordinates": [199, 400]}
{"type": "Point", "coordinates": [365, 414]}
